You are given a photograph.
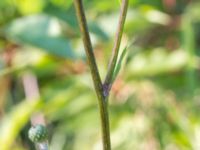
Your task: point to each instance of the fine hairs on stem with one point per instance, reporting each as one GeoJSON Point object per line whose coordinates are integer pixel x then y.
{"type": "Point", "coordinates": [102, 89]}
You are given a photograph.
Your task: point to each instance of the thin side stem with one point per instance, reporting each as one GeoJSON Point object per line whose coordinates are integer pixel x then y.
{"type": "Point", "coordinates": [117, 42]}
{"type": "Point", "coordinates": [95, 74]}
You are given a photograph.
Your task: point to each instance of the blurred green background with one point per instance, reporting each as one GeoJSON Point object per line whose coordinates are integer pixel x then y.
{"type": "Point", "coordinates": [154, 103]}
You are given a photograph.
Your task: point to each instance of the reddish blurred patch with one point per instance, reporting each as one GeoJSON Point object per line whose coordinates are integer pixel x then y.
{"type": "Point", "coordinates": [169, 4]}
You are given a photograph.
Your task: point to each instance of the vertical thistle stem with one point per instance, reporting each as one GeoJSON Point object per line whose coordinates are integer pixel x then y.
{"type": "Point", "coordinates": [102, 90]}
{"type": "Point", "coordinates": [95, 74]}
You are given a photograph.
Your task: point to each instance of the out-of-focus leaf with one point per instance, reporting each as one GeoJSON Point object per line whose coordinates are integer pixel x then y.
{"type": "Point", "coordinates": [96, 29]}
{"type": "Point", "coordinates": [10, 70]}
{"type": "Point", "coordinates": [189, 47]}
{"type": "Point", "coordinates": [157, 62]}
{"type": "Point", "coordinates": [62, 3]}
{"type": "Point", "coordinates": [15, 121]}
{"type": "Point", "coordinates": [69, 16]}
{"type": "Point", "coordinates": [192, 12]}
{"type": "Point", "coordinates": [28, 7]}
{"type": "Point", "coordinates": [40, 31]}
{"type": "Point", "coordinates": [182, 140]}
{"type": "Point", "coordinates": [155, 16]}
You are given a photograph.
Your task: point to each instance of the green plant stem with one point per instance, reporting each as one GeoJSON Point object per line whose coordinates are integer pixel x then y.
{"type": "Point", "coordinates": [115, 52]}
{"type": "Point", "coordinates": [88, 48]}
{"type": "Point", "coordinates": [95, 74]}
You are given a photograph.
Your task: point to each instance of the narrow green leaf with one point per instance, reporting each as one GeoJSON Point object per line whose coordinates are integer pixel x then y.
{"type": "Point", "coordinates": [119, 63]}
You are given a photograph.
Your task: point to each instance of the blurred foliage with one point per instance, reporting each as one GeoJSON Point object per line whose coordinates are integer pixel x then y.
{"type": "Point", "coordinates": [154, 104]}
